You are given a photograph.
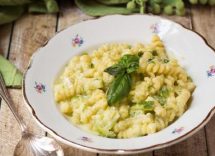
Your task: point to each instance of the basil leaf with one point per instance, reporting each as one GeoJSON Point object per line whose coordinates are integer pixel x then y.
{"type": "Point", "coordinates": [115, 70]}
{"type": "Point", "coordinates": [119, 88]}
{"type": "Point", "coordinates": [130, 62]}
{"type": "Point", "coordinates": [121, 85]}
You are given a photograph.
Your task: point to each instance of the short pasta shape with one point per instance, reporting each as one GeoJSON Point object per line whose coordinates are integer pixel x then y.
{"type": "Point", "coordinates": [159, 93]}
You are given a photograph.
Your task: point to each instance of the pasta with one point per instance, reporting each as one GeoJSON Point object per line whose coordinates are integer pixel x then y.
{"type": "Point", "coordinates": [159, 93]}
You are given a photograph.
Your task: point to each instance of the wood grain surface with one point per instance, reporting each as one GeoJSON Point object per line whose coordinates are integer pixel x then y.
{"type": "Point", "coordinates": [20, 39]}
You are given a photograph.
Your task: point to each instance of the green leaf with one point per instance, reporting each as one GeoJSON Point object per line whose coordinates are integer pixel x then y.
{"type": "Point", "coordinates": [10, 13]}
{"type": "Point", "coordinates": [148, 106]}
{"type": "Point", "coordinates": [164, 92]}
{"type": "Point", "coordinates": [12, 77]}
{"type": "Point", "coordinates": [14, 2]}
{"type": "Point", "coordinates": [119, 88]}
{"type": "Point", "coordinates": [130, 62]}
{"type": "Point", "coordinates": [121, 85]}
{"type": "Point", "coordinates": [162, 95]}
{"type": "Point", "coordinates": [112, 2]}
{"type": "Point", "coordinates": [94, 8]}
{"type": "Point", "coordinates": [51, 6]}
{"type": "Point", "coordinates": [44, 6]}
{"type": "Point", "coordinates": [115, 70]}
{"type": "Point", "coordinates": [37, 7]}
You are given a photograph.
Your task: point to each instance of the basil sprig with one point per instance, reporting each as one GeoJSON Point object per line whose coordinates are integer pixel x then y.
{"type": "Point", "coordinates": [121, 85]}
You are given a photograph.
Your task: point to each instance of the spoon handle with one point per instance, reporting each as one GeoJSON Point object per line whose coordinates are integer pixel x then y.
{"type": "Point", "coordinates": [6, 97]}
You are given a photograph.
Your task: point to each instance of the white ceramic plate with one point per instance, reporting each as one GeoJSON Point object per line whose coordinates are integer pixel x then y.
{"type": "Point", "coordinates": [188, 47]}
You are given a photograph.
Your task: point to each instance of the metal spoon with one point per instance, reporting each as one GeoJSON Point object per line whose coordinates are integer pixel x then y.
{"type": "Point", "coordinates": [30, 144]}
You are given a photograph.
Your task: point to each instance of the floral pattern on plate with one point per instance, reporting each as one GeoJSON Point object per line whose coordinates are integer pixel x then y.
{"type": "Point", "coordinates": [155, 28]}
{"type": "Point", "coordinates": [85, 139]}
{"type": "Point", "coordinates": [77, 41]}
{"type": "Point", "coordinates": [39, 87]}
{"type": "Point", "coordinates": [177, 130]}
{"type": "Point", "coordinates": [211, 71]}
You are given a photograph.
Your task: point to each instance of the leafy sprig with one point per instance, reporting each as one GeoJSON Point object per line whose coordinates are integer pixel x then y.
{"type": "Point", "coordinates": [121, 85]}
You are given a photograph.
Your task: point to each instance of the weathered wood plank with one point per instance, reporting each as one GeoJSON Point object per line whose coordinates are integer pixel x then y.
{"type": "Point", "coordinates": [70, 15]}
{"type": "Point", "coordinates": [30, 32]}
{"type": "Point", "coordinates": [196, 145]}
{"type": "Point", "coordinates": [142, 154]}
{"type": "Point", "coordinates": [5, 34]}
{"type": "Point", "coordinates": [183, 20]}
{"type": "Point", "coordinates": [204, 23]}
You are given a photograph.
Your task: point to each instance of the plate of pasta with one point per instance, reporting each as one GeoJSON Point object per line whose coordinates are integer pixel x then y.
{"type": "Point", "coordinates": [122, 84]}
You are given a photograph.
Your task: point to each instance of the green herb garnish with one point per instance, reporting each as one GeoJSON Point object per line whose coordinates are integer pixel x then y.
{"type": "Point", "coordinates": [162, 95]}
{"type": "Point", "coordinates": [115, 70]}
{"type": "Point", "coordinates": [121, 85]}
{"type": "Point", "coordinates": [148, 106]}
{"type": "Point", "coordinates": [119, 88]}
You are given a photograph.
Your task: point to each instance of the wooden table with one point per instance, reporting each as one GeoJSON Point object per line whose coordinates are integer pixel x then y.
{"type": "Point", "coordinates": [20, 39]}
